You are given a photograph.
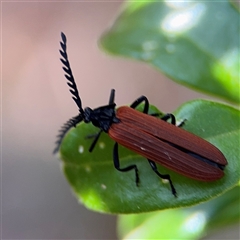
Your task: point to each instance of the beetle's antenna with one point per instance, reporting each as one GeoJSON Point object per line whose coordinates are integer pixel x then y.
{"type": "Point", "coordinates": [69, 75]}
{"type": "Point", "coordinates": [64, 129]}
{"type": "Point", "coordinates": [112, 96]}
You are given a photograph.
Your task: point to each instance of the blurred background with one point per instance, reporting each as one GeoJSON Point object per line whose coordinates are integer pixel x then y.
{"type": "Point", "coordinates": [37, 202]}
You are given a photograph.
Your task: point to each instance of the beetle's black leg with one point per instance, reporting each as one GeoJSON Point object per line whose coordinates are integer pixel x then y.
{"type": "Point", "coordinates": [146, 106]}
{"type": "Point", "coordinates": [155, 114]}
{"type": "Point", "coordinates": [125, 169]}
{"type": "Point", "coordinates": [139, 101]}
{"type": "Point", "coordinates": [95, 140]}
{"type": "Point", "coordinates": [181, 123]}
{"type": "Point", "coordinates": [173, 119]}
{"type": "Point", "coordinates": [163, 176]}
{"type": "Point", "coordinates": [169, 116]}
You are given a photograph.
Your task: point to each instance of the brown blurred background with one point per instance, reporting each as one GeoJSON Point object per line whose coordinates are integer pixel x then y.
{"type": "Point", "coordinates": [37, 202]}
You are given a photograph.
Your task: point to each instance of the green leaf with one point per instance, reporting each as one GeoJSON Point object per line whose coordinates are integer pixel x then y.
{"type": "Point", "coordinates": [195, 43]}
{"type": "Point", "coordinates": [100, 187]}
{"type": "Point", "coordinates": [187, 223]}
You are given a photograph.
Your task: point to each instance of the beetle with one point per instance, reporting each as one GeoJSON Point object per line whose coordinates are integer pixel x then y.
{"type": "Point", "coordinates": [154, 138]}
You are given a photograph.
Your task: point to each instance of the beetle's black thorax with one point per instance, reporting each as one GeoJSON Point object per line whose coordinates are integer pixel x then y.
{"type": "Point", "coordinates": [101, 117]}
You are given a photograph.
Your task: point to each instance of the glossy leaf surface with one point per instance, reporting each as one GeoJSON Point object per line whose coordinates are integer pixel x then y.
{"type": "Point", "coordinates": [187, 223]}
{"type": "Point", "coordinates": [195, 43]}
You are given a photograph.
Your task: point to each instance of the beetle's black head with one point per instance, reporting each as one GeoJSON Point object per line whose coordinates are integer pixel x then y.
{"type": "Point", "coordinates": [101, 117]}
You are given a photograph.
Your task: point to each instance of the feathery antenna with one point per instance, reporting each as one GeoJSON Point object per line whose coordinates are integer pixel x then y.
{"type": "Point", "coordinates": [69, 76]}
{"type": "Point", "coordinates": [64, 129]}
{"type": "Point", "coordinates": [73, 89]}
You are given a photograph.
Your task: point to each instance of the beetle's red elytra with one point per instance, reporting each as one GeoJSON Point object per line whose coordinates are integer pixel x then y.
{"type": "Point", "coordinates": [154, 138]}
{"type": "Point", "coordinates": [163, 143]}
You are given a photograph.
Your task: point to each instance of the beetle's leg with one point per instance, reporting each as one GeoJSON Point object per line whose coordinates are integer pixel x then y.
{"type": "Point", "coordinates": [139, 101]}
{"type": "Point", "coordinates": [155, 114]}
{"type": "Point", "coordinates": [173, 119]}
{"type": "Point", "coordinates": [146, 105]}
{"type": "Point", "coordinates": [169, 116]}
{"type": "Point", "coordinates": [182, 123]}
{"type": "Point", "coordinates": [163, 176]}
{"type": "Point", "coordinates": [125, 169]}
{"type": "Point", "coordinates": [95, 140]}
{"type": "Point", "coordinates": [146, 108]}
